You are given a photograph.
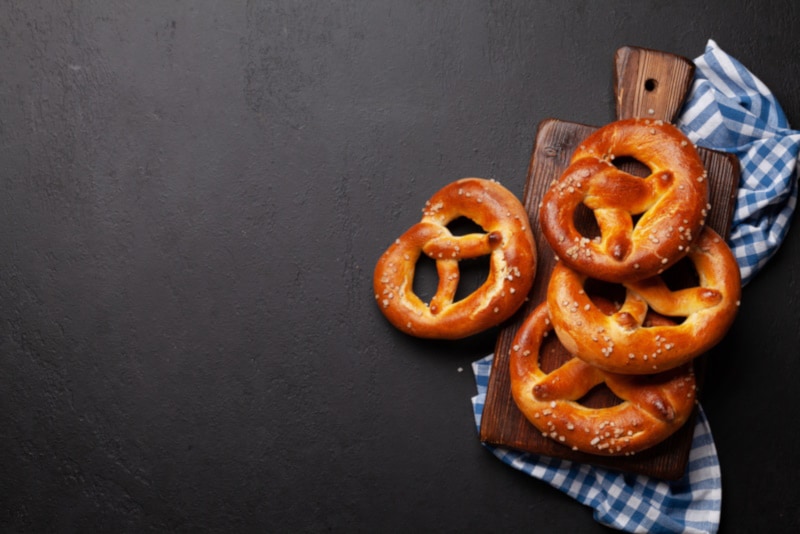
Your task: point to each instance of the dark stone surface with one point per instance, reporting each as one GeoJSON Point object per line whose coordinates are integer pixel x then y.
{"type": "Point", "coordinates": [194, 195]}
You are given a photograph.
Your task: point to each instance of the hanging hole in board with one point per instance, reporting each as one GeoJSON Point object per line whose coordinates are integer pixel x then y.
{"type": "Point", "coordinates": [650, 84]}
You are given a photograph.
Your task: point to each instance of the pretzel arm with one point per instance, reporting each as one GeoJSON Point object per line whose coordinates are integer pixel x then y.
{"type": "Point", "coordinates": [619, 190]}
{"type": "Point", "coordinates": [616, 229]}
{"type": "Point", "coordinates": [680, 303]}
{"type": "Point", "coordinates": [571, 381]}
{"type": "Point", "coordinates": [449, 276]}
{"type": "Point", "coordinates": [662, 395]}
{"type": "Point", "coordinates": [633, 311]}
{"type": "Point", "coordinates": [462, 247]}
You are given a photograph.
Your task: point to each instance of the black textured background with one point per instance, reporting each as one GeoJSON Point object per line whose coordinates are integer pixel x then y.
{"type": "Point", "coordinates": [193, 196]}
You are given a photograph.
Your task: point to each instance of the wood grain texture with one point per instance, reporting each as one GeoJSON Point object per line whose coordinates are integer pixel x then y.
{"type": "Point", "coordinates": [650, 83]}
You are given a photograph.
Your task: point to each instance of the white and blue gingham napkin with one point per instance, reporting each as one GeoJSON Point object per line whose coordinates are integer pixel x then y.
{"type": "Point", "coordinates": [728, 109]}
{"type": "Point", "coordinates": [731, 110]}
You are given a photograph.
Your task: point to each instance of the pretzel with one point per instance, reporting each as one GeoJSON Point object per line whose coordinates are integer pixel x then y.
{"type": "Point", "coordinates": [652, 406]}
{"type": "Point", "coordinates": [508, 241]}
{"type": "Point", "coordinates": [620, 342]}
{"type": "Point", "coordinates": [671, 203]}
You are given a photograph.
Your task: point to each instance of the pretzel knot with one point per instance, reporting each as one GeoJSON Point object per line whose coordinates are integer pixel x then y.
{"type": "Point", "coordinates": [508, 242]}
{"type": "Point", "coordinates": [621, 342]}
{"type": "Point", "coordinates": [645, 224]}
{"type": "Point", "coordinates": [652, 406]}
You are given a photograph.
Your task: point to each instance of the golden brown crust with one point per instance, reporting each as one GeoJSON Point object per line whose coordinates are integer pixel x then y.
{"type": "Point", "coordinates": [670, 204]}
{"type": "Point", "coordinates": [653, 407]}
{"type": "Point", "coordinates": [620, 342]}
{"type": "Point", "coordinates": [508, 241]}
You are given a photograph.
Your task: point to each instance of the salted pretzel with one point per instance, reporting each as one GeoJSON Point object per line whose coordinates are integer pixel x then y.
{"type": "Point", "coordinates": [645, 224]}
{"type": "Point", "coordinates": [652, 406]}
{"type": "Point", "coordinates": [508, 242]}
{"type": "Point", "coordinates": [620, 342]}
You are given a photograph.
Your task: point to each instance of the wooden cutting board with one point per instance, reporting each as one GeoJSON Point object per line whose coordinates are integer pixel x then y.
{"type": "Point", "coordinates": [648, 84]}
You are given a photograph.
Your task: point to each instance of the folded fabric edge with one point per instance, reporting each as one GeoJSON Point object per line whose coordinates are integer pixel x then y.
{"type": "Point", "coordinates": [730, 109]}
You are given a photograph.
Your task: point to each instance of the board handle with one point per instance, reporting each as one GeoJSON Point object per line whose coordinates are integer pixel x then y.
{"type": "Point", "coordinates": [650, 83]}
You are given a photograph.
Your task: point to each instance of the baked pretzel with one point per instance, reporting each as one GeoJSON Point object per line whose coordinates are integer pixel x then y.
{"type": "Point", "coordinates": [620, 342]}
{"type": "Point", "coordinates": [671, 203]}
{"type": "Point", "coordinates": [508, 241]}
{"type": "Point", "coordinates": [653, 406]}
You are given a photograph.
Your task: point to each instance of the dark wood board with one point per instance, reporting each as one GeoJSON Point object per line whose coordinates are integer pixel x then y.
{"type": "Point", "coordinates": [502, 423]}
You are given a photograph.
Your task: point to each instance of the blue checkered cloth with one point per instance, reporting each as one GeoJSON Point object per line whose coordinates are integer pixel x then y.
{"type": "Point", "coordinates": [728, 109]}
